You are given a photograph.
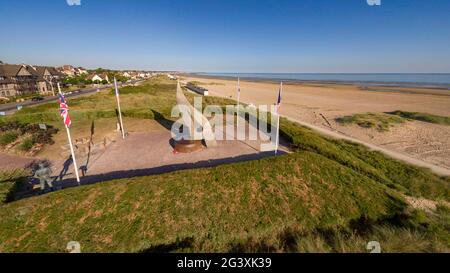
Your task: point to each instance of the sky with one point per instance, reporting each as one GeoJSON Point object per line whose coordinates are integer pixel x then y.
{"type": "Point", "coordinates": [268, 36]}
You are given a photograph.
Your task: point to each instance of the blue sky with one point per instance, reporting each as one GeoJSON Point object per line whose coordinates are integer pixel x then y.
{"type": "Point", "coordinates": [230, 36]}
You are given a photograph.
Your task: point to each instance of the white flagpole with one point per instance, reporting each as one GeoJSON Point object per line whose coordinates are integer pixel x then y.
{"type": "Point", "coordinates": [71, 147]}
{"type": "Point", "coordinates": [278, 117]}
{"type": "Point", "coordinates": [118, 107]}
{"type": "Point", "coordinates": [238, 102]}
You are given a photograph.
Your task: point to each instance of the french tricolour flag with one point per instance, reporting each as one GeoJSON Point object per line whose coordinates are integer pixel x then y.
{"type": "Point", "coordinates": [279, 99]}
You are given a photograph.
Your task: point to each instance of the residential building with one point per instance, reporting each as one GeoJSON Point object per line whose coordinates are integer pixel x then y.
{"type": "Point", "coordinates": [81, 71]}
{"type": "Point", "coordinates": [51, 76]}
{"type": "Point", "coordinates": [98, 77]}
{"type": "Point", "coordinates": [16, 80]}
{"type": "Point", "coordinates": [67, 70]}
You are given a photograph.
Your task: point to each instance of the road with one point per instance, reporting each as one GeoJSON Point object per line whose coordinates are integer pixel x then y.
{"type": "Point", "coordinates": [10, 108]}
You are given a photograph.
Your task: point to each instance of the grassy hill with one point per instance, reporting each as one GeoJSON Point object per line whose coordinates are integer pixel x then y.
{"type": "Point", "coordinates": [327, 196]}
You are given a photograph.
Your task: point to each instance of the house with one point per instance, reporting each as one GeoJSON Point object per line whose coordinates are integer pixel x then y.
{"type": "Point", "coordinates": [98, 77]}
{"type": "Point", "coordinates": [133, 75]}
{"type": "Point", "coordinates": [16, 80]}
{"type": "Point", "coordinates": [197, 89]}
{"type": "Point", "coordinates": [67, 70]}
{"type": "Point", "coordinates": [81, 71]}
{"type": "Point", "coordinates": [51, 76]}
{"type": "Point", "coordinates": [171, 77]}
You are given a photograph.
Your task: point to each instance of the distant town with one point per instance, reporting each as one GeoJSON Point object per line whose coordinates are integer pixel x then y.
{"type": "Point", "coordinates": [21, 81]}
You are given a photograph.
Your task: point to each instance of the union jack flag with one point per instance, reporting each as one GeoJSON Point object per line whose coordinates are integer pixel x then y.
{"type": "Point", "coordinates": [64, 110]}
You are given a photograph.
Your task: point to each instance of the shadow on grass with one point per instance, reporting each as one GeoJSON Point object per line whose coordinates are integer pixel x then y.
{"type": "Point", "coordinates": [185, 243]}
{"type": "Point", "coordinates": [16, 188]}
{"type": "Point", "coordinates": [166, 123]}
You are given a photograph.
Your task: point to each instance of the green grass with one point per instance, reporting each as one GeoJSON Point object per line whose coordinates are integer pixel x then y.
{"type": "Point", "coordinates": [8, 138]}
{"type": "Point", "coordinates": [327, 196]}
{"type": "Point", "coordinates": [218, 207]}
{"type": "Point", "coordinates": [422, 117]}
{"type": "Point", "coordinates": [400, 176]}
{"type": "Point", "coordinates": [26, 144]}
{"type": "Point", "coordinates": [137, 101]}
{"type": "Point", "coordinates": [381, 122]}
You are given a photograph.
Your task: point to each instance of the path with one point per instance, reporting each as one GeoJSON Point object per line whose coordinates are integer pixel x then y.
{"type": "Point", "coordinates": [13, 162]}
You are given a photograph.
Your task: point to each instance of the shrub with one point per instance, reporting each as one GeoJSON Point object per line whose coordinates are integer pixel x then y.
{"type": "Point", "coordinates": [37, 134]}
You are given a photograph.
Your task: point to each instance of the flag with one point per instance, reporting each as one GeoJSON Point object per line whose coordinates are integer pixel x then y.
{"type": "Point", "coordinates": [279, 99]}
{"type": "Point", "coordinates": [64, 110]}
{"type": "Point", "coordinates": [277, 141]}
{"type": "Point", "coordinates": [239, 90]}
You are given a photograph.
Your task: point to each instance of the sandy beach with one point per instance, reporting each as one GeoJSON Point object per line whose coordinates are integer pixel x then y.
{"type": "Point", "coordinates": [320, 104]}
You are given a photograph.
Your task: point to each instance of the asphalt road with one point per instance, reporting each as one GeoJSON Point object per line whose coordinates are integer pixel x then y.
{"type": "Point", "coordinates": [10, 108]}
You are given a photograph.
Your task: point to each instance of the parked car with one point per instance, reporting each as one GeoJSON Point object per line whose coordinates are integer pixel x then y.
{"type": "Point", "coordinates": [37, 99]}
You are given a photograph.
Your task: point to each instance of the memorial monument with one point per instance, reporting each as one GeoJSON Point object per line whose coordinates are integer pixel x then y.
{"type": "Point", "coordinates": [190, 144]}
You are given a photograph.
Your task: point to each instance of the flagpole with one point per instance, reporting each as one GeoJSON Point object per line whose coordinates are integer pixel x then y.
{"type": "Point", "coordinates": [118, 107]}
{"type": "Point", "coordinates": [238, 102]}
{"type": "Point", "coordinates": [71, 146]}
{"type": "Point", "coordinates": [278, 121]}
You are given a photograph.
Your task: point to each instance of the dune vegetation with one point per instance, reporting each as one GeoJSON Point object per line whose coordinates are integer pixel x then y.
{"type": "Point", "coordinates": [425, 117]}
{"type": "Point", "coordinates": [379, 121]}
{"type": "Point", "coordinates": [384, 121]}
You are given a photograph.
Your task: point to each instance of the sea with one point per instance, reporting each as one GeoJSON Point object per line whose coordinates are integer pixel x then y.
{"type": "Point", "coordinates": [436, 80]}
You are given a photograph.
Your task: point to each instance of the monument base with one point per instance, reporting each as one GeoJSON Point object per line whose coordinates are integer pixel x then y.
{"type": "Point", "coordinates": [188, 146]}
